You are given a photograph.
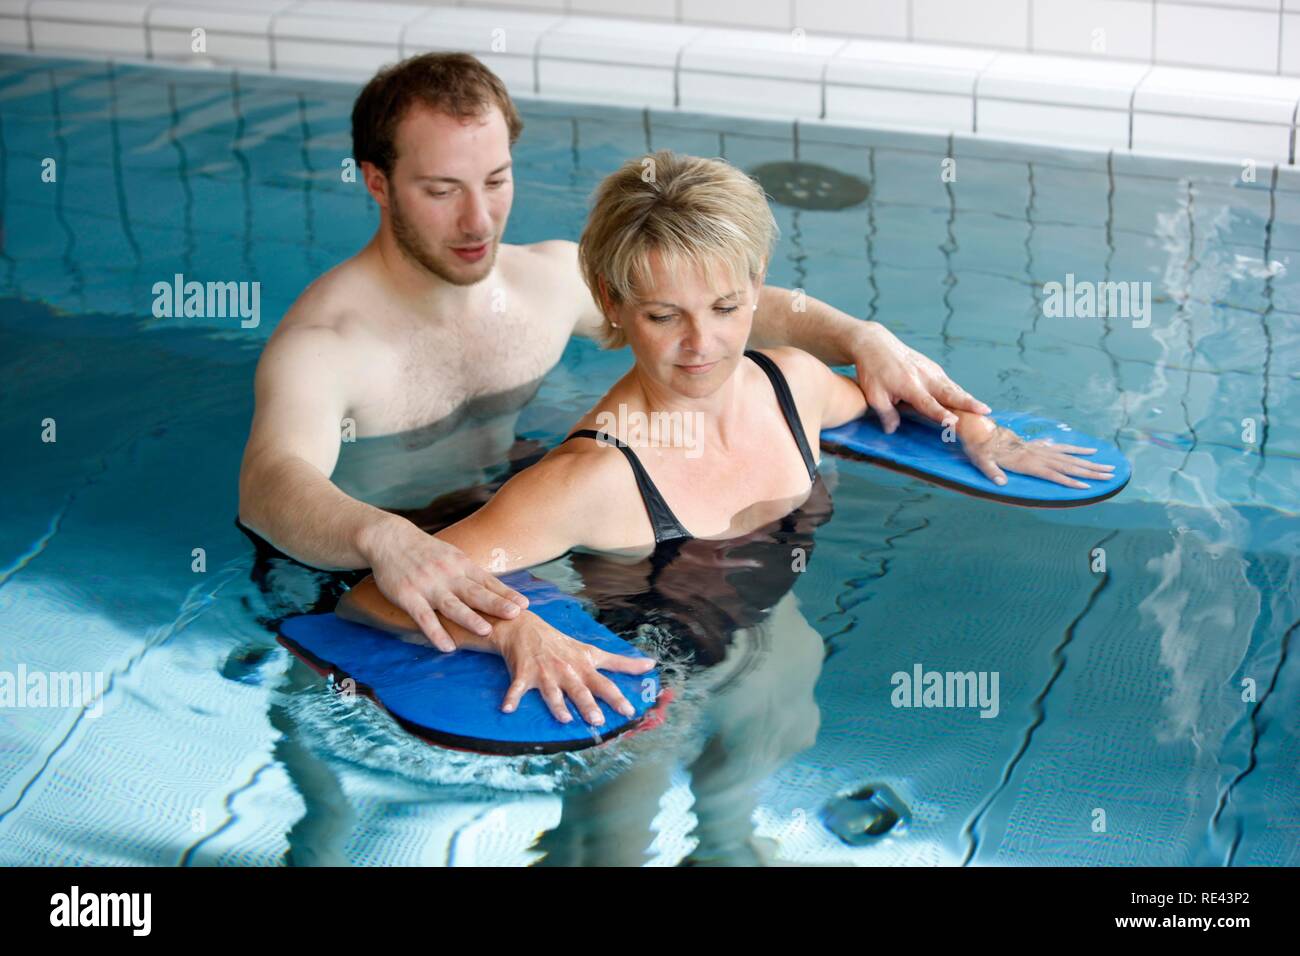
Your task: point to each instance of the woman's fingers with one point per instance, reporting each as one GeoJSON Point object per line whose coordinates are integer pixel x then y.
{"type": "Point", "coordinates": [608, 691]}
{"type": "Point", "coordinates": [622, 663]}
{"type": "Point", "coordinates": [521, 685]}
{"type": "Point", "coordinates": [572, 675]}
{"type": "Point", "coordinates": [989, 467]}
{"type": "Point", "coordinates": [1051, 474]}
{"type": "Point", "coordinates": [1071, 449]}
{"type": "Point", "coordinates": [582, 699]}
{"type": "Point", "coordinates": [1072, 466]}
{"type": "Point", "coordinates": [554, 698]}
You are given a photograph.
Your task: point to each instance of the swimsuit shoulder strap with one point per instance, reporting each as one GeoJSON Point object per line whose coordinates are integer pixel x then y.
{"type": "Point", "coordinates": [662, 520]}
{"type": "Point", "coordinates": [788, 408]}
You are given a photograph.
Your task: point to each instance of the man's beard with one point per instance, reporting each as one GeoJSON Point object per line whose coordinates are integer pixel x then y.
{"type": "Point", "coordinates": [413, 246]}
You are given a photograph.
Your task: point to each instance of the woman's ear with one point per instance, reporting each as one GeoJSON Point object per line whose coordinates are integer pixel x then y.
{"type": "Point", "coordinates": [606, 303]}
{"type": "Point", "coordinates": [603, 297]}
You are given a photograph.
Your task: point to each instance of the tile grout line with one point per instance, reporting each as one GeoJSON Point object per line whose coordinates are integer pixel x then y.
{"type": "Point", "coordinates": [1132, 100]}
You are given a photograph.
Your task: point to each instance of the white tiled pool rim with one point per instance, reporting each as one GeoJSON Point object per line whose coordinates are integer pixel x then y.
{"type": "Point", "coordinates": [818, 79]}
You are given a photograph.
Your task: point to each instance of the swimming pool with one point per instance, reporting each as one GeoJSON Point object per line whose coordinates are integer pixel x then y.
{"type": "Point", "coordinates": [1121, 737]}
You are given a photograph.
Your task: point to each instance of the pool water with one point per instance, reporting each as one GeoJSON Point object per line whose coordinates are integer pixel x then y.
{"type": "Point", "coordinates": [1146, 713]}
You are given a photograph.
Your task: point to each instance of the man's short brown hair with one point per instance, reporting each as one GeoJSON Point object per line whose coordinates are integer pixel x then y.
{"type": "Point", "coordinates": [457, 84]}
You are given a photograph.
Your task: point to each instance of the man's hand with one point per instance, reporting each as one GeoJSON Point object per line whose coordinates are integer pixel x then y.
{"type": "Point", "coordinates": [422, 574]}
{"type": "Point", "coordinates": [890, 372]}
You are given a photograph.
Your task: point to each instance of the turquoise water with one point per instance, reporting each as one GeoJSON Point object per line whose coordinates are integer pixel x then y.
{"type": "Point", "coordinates": [1122, 736]}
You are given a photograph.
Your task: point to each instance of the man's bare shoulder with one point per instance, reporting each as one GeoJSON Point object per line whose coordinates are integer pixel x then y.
{"type": "Point", "coordinates": [339, 301]}
{"type": "Point", "coordinates": [554, 263]}
{"type": "Point", "coordinates": [333, 329]}
{"type": "Point", "coordinates": [552, 250]}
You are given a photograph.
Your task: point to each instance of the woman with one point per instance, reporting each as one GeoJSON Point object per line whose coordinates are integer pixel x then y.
{"type": "Point", "coordinates": [675, 253]}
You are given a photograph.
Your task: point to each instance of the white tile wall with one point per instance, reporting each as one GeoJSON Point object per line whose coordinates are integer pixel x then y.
{"type": "Point", "coordinates": [582, 58]}
{"type": "Point", "coordinates": [1119, 29]}
{"type": "Point", "coordinates": [640, 9]}
{"type": "Point", "coordinates": [815, 64]}
{"type": "Point", "coordinates": [1001, 24]}
{"type": "Point", "coordinates": [506, 43]}
{"type": "Point", "coordinates": [771, 14]}
{"type": "Point", "coordinates": [905, 84]}
{"type": "Point", "coordinates": [237, 32]}
{"type": "Point", "coordinates": [877, 18]}
{"type": "Point", "coordinates": [77, 25]}
{"type": "Point", "coordinates": [755, 72]}
{"type": "Point", "coordinates": [1082, 101]}
{"type": "Point", "coordinates": [360, 37]}
{"type": "Point", "coordinates": [13, 24]}
{"type": "Point", "coordinates": [1225, 37]}
{"type": "Point", "coordinates": [1290, 64]}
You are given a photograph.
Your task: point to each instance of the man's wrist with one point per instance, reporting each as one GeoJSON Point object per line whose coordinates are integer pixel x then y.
{"type": "Point", "coordinates": [866, 334]}
{"type": "Point", "coordinates": [369, 533]}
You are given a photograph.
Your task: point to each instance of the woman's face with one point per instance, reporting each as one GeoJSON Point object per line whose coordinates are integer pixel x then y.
{"type": "Point", "coordinates": [689, 330]}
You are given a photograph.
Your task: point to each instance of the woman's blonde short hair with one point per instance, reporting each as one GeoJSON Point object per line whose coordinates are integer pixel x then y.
{"type": "Point", "coordinates": [695, 212]}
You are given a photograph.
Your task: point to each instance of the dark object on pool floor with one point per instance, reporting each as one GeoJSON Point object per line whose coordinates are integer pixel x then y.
{"type": "Point", "coordinates": [810, 185]}
{"type": "Point", "coordinates": [861, 815]}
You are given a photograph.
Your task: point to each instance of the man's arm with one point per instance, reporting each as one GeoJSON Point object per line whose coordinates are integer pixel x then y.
{"type": "Point", "coordinates": [888, 371]}
{"type": "Point", "coordinates": [286, 496]}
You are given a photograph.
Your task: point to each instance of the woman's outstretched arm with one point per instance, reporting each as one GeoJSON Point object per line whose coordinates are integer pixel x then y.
{"type": "Point", "coordinates": [539, 514]}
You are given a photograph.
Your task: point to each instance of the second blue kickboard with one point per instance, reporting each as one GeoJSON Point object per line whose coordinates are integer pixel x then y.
{"type": "Point", "coordinates": [919, 449]}
{"type": "Point", "coordinates": [455, 699]}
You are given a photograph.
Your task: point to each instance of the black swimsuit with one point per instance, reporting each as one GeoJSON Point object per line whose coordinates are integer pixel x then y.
{"type": "Point", "coordinates": [662, 520]}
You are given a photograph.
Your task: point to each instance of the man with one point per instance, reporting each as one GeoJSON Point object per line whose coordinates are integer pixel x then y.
{"type": "Point", "coordinates": [436, 321]}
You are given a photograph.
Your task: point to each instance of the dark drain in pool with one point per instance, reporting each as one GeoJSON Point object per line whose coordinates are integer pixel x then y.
{"type": "Point", "coordinates": [861, 815]}
{"type": "Point", "coordinates": [810, 186]}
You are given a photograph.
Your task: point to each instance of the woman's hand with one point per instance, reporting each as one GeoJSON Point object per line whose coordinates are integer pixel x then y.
{"type": "Point", "coordinates": [989, 445]}
{"type": "Point", "coordinates": [541, 657]}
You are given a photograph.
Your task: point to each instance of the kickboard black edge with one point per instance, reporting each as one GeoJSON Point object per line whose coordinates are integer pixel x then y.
{"type": "Point", "coordinates": [494, 748]}
{"type": "Point", "coordinates": [845, 452]}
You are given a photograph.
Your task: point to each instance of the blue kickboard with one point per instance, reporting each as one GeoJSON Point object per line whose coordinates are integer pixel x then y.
{"type": "Point", "coordinates": [919, 449]}
{"type": "Point", "coordinates": [455, 699]}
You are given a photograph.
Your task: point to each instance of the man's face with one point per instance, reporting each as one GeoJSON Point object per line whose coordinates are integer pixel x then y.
{"type": "Point", "coordinates": [450, 192]}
